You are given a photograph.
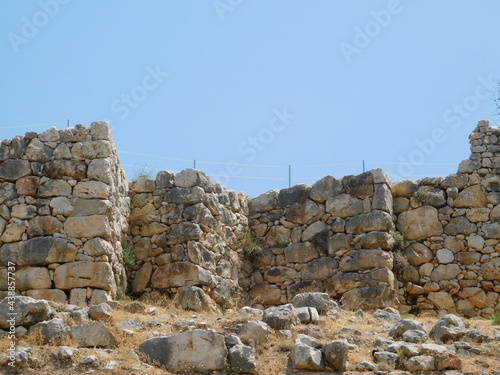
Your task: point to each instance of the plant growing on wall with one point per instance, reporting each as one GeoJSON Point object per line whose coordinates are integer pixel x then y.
{"type": "Point", "coordinates": [249, 242]}
{"type": "Point", "coordinates": [320, 239]}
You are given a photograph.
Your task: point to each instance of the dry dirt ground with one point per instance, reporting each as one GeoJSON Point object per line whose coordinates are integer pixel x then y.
{"type": "Point", "coordinates": [359, 329]}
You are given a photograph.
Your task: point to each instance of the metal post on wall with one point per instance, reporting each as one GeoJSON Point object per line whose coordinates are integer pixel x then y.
{"type": "Point", "coordinates": [363, 166]}
{"type": "Point", "coordinates": [289, 176]}
{"type": "Point", "coordinates": [194, 164]}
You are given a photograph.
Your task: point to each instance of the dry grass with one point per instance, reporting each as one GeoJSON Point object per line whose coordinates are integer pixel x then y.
{"type": "Point", "coordinates": [271, 357]}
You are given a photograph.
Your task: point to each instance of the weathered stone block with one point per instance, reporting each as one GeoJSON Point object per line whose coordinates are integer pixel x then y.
{"type": "Point", "coordinates": [88, 227]}
{"type": "Point", "coordinates": [84, 274]}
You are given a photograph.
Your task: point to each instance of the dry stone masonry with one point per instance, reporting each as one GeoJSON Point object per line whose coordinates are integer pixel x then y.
{"type": "Point", "coordinates": [63, 210]}
{"type": "Point", "coordinates": [79, 233]}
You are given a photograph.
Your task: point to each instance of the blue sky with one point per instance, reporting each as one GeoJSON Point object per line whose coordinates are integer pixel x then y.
{"type": "Point", "coordinates": [254, 87]}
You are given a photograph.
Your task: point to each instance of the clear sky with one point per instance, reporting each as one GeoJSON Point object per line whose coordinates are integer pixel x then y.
{"type": "Point", "coordinates": [269, 83]}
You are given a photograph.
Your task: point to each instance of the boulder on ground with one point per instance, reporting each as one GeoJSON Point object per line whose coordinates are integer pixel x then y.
{"type": "Point", "coordinates": [26, 311]}
{"type": "Point", "coordinates": [321, 301]}
{"type": "Point", "coordinates": [91, 335]}
{"type": "Point", "coordinates": [404, 325]}
{"type": "Point", "coordinates": [194, 350]}
{"type": "Point", "coordinates": [281, 317]}
{"type": "Point", "coordinates": [449, 328]}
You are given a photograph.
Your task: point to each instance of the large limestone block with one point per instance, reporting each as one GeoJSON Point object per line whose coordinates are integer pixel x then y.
{"type": "Point", "coordinates": [449, 328]}
{"type": "Point", "coordinates": [264, 202]}
{"type": "Point", "coordinates": [376, 240]}
{"type": "Point", "coordinates": [325, 188]}
{"type": "Point", "coordinates": [92, 190]}
{"type": "Point", "coordinates": [491, 230]}
{"type": "Point", "coordinates": [471, 197]}
{"type": "Point", "coordinates": [38, 251]}
{"type": "Point", "coordinates": [196, 350]}
{"type": "Point", "coordinates": [374, 221]}
{"type": "Point", "coordinates": [92, 150]}
{"type": "Point", "coordinates": [194, 298]}
{"type": "Point", "coordinates": [361, 260]}
{"type": "Point", "coordinates": [301, 252]}
{"type": "Point", "coordinates": [38, 151]}
{"type": "Point", "coordinates": [180, 274]}
{"type": "Point", "coordinates": [88, 207]}
{"type": "Point", "coordinates": [101, 170]}
{"type": "Point", "coordinates": [344, 205]}
{"type": "Point", "coordinates": [44, 226]}
{"type": "Point", "coordinates": [490, 269]}
{"type": "Point", "coordinates": [97, 247]}
{"type": "Point", "coordinates": [93, 335]}
{"type": "Point", "coordinates": [291, 195]}
{"type": "Point", "coordinates": [420, 223]}
{"type": "Point", "coordinates": [88, 227]}
{"type": "Point", "coordinates": [27, 186]}
{"type": "Point", "coordinates": [192, 177]}
{"type": "Point", "coordinates": [100, 130]}
{"type": "Point", "coordinates": [320, 301]}
{"type": "Point", "coordinates": [445, 272]}
{"type": "Point", "coordinates": [360, 186]}
{"type": "Point", "coordinates": [382, 198]}
{"type": "Point", "coordinates": [142, 278]}
{"type": "Point", "coordinates": [84, 274]}
{"type": "Point", "coordinates": [55, 295]}
{"type": "Point", "coordinates": [460, 225]}
{"type": "Point", "coordinates": [318, 269]}
{"type": "Point", "coordinates": [54, 188]}
{"type": "Point", "coordinates": [186, 196]}
{"type": "Point", "coordinates": [200, 255]}
{"type": "Point", "coordinates": [7, 191]}
{"type": "Point", "coordinates": [442, 301]}
{"type": "Point", "coordinates": [371, 298]}
{"type": "Point", "coordinates": [279, 274]}
{"type": "Point", "coordinates": [27, 311]}
{"type": "Point", "coordinates": [303, 213]}
{"type": "Point", "coordinates": [33, 278]}
{"type": "Point", "coordinates": [309, 232]}
{"type": "Point", "coordinates": [266, 294]}
{"type": "Point", "coordinates": [59, 169]}
{"type": "Point", "coordinates": [404, 188]}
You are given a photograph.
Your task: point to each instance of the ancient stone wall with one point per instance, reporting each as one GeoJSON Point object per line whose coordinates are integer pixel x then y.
{"type": "Point", "coordinates": [63, 209]}
{"type": "Point", "coordinates": [71, 224]}
{"type": "Point", "coordinates": [184, 232]}
{"type": "Point", "coordinates": [451, 255]}
{"type": "Point", "coordinates": [334, 236]}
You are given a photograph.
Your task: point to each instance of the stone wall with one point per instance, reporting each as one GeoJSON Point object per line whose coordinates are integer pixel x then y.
{"type": "Point", "coordinates": [184, 232]}
{"type": "Point", "coordinates": [451, 258]}
{"type": "Point", "coordinates": [334, 236]}
{"type": "Point", "coordinates": [63, 209]}
{"type": "Point", "coordinates": [67, 216]}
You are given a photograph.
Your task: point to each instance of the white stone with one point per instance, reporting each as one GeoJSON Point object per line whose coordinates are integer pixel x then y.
{"type": "Point", "coordinates": [445, 256]}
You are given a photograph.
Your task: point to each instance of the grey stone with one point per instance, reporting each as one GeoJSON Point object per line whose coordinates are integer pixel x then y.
{"type": "Point", "coordinates": [38, 251]}
{"type": "Point", "coordinates": [449, 328]}
{"type": "Point", "coordinates": [13, 169]}
{"type": "Point", "coordinates": [91, 335]}
{"type": "Point", "coordinates": [305, 357]}
{"type": "Point", "coordinates": [404, 325]}
{"type": "Point", "coordinates": [320, 301]}
{"type": "Point", "coordinates": [27, 310]}
{"type": "Point", "coordinates": [194, 298]}
{"type": "Point", "coordinates": [264, 202]}
{"type": "Point", "coordinates": [65, 352]}
{"type": "Point", "coordinates": [420, 363]}
{"type": "Point", "coordinates": [101, 312]}
{"type": "Point", "coordinates": [414, 336]}
{"type": "Point", "coordinates": [325, 188]}
{"type": "Point", "coordinates": [360, 186]}
{"type": "Point", "coordinates": [196, 350]}
{"type": "Point", "coordinates": [374, 221]}
{"type": "Point", "coordinates": [460, 225]}
{"type": "Point", "coordinates": [368, 298]}
{"type": "Point", "coordinates": [50, 331]}
{"type": "Point", "coordinates": [256, 330]}
{"type": "Point", "coordinates": [336, 354]}
{"type": "Point", "coordinates": [242, 359]}
{"type": "Point", "coordinates": [344, 206]}
{"type": "Point", "coordinates": [386, 315]}
{"type": "Point", "coordinates": [420, 223]}
{"type": "Point", "coordinates": [291, 195]}
{"type": "Point", "coordinates": [280, 317]}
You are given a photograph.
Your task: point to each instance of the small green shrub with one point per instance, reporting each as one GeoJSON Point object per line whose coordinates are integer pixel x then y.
{"type": "Point", "coordinates": [144, 171]}
{"type": "Point", "coordinates": [120, 295]}
{"type": "Point", "coordinates": [128, 257]}
{"type": "Point", "coordinates": [495, 319]}
{"type": "Point", "coordinates": [320, 239]}
{"type": "Point", "coordinates": [249, 242]}
{"type": "Point", "coordinates": [399, 240]}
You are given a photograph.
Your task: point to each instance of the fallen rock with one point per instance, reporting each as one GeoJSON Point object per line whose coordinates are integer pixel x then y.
{"type": "Point", "coordinates": [281, 317]}
{"type": "Point", "coordinates": [336, 354]}
{"type": "Point", "coordinates": [49, 331]}
{"type": "Point", "coordinates": [420, 363]}
{"type": "Point", "coordinates": [101, 312]}
{"type": "Point", "coordinates": [135, 308]}
{"type": "Point", "coordinates": [321, 301]}
{"type": "Point", "coordinates": [258, 331]}
{"type": "Point", "coordinates": [242, 359]}
{"type": "Point", "coordinates": [194, 298]}
{"type": "Point", "coordinates": [247, 312]}
{"type": "Point", "coordinates": [91, 335]}
{"type": "Point", "coordinates": [305, 357]}
{"type": "Point", "coordinates": [65, 352]}
{"type": "Point", "coordinates": [196, 350]}
{"type": "Point", "coordinates": [393, 316]}
{"type": "Point", "coordinates": [449, 328]}
{"type": "Point", "coordinates": [27, 310]}
{"type": "Point", "coordinates": [404, 325]}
